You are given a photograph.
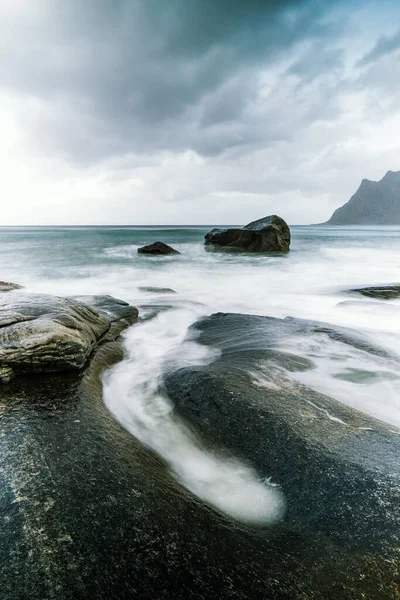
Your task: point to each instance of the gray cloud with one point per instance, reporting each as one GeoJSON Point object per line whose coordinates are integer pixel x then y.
{"type": "Point", "coordinates": [132, 76]}
{"type": "Point", "coordinates": [316, 61]}
{"type": "Point", "coordinates": [385, 46]}
{"type": "Point", "coordinates": [216, 110]}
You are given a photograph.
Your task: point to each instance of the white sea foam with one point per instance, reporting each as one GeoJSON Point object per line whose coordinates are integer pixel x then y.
{"type": "Point", "coordinates": [306, 283]}
{"type": "Point", "coordinates": [368, 382]}
{"type": "Point", "coordinates": [132, 393]}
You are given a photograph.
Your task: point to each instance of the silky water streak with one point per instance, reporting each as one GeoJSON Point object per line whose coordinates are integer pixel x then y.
{"type": "Point", "coordinates": [132, 393]}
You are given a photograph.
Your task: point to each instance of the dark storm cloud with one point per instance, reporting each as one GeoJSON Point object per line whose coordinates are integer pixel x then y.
{"type": "Point", "coordinates": [150, 75]}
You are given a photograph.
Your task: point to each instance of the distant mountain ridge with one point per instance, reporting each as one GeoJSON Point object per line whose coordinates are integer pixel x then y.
{"type": "Point", "coordinates": [374, 203]}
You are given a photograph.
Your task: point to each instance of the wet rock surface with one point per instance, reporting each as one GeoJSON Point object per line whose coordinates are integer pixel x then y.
{"type": "Point", "coordinates": [6, 286]}
{"type": "Point", "coordinates": [338, 468]}
{"type": "Point", "coordinates": [157, 290]}
{"type": "Point", "coordinates": [157, 249]}
{"type": "Point", "coordinates": [380, 292]}
{"type": "Point", "coordinates": [270, 234]}
{"type": "Point", "coordinates": [39, 332]}
{"type": "Point", "coordinates": [88, 512]}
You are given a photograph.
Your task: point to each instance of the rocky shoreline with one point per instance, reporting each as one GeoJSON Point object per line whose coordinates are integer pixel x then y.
{"type": "Point", "coordinates": [89, 512]}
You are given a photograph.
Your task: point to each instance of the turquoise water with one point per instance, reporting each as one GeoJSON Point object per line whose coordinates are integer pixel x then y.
{"type": "Point", "coordinates": [323, 262]}
{"type": "Point", "coordinates": [309, 282]}
{"type": "Point", "coordinates": [43, 250]}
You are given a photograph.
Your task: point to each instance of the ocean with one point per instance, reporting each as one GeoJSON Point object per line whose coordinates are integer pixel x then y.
{"type": "Point", "coordinates": [310, 282]}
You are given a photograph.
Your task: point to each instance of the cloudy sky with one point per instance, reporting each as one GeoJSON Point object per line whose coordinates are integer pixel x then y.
{"type": "Point", "coordinates": [194, 111]}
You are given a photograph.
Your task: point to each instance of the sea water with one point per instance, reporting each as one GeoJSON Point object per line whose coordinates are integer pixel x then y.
{"type": "Point", "coordinates": [309, 282]}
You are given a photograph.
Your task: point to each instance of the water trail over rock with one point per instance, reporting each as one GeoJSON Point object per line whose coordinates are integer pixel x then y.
{"type": "Point", "coordinates": [133, 394]}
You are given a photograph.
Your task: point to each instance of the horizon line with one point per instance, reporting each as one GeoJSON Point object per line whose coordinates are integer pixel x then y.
{"type": "Point", "coordinates": [154, 225]}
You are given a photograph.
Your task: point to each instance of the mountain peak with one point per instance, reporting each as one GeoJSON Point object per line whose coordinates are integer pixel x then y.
{"type": "Point", "coordinates": [374, 203]}
{"type": "Point", "coordinates": [391, 175]}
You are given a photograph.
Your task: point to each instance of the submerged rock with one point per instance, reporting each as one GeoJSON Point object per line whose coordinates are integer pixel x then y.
{"type": "Point", "coordinates": [39, 332]}
{"type": "Point", "coordinates": [6, 286]}
{"type": "Point", "coordinates": [270, 234]}
{"type": "Point", "coordinates": [156, 290]}
{"type": "Point", "coordinates": [338, 468]}
{"type": "Point", "coordinates": [158, 248]}
{"type": "Point", "coordinates": [382, 292]}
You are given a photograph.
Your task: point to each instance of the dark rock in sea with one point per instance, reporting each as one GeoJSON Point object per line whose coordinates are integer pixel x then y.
{"type": "Point", "coordinates": [271, 234]}
{"type": "Point", "coordinates": [374, 203]}
{"type": "Point", "coordinates": [157, 249]}
{"type": "Point", "coordinates": [382, 292]}
{"type": "Point", "coordinates": [156, 290]}
{"type": "Point", "coordinates": [6, 286]}
{"type": "Point", "coordinates": [48, 333]}
{"type": "Point", "coordinates": [338, 468]}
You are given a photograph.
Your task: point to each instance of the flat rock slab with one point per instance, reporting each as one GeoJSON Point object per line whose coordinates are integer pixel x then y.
{"type": "Point", "coordinates": [338, 468]}
{"type": "Point", "coordinates": [157, 249]}
{"type": "Point", "coordinates": [89, 513]}
{"type": "Point", "coordinates": [41, 333]}
{"type": "Point", "coordinates": [381, 292]}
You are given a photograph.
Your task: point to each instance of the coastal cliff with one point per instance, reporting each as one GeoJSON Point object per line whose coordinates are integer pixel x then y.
{"type": "Point", "coordinates": [374, 203]}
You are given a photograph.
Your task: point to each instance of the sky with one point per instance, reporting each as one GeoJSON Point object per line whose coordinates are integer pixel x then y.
{"type": "Point", "coordinates": [194, 111]}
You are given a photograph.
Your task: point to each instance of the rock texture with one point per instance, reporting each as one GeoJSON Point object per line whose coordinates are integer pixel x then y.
{"type": "Point", "coordinates": [374, 203]}
{"type": "Point", "coordinates": [382, 292]}
{"type": "Point", "coordinates": [6, 286]}
{"type": "Point", "coordinates": [49, 333]}
{"type": "Point", "coordinates": [338, 468]}
{"type": "Point", "coordinates": [270, 234]}
{"type": "Point", "coordinates": [88, 512]}
{"type": "Point", "coordinates": [158, 249]}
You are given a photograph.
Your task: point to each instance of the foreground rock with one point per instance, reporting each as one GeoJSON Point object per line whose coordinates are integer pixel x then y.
{"type": "Point", "coordinates": [158, 249]}
{"type": "Point", "coordinates": [49, 333]}
{"type": "Point", "coordinates": [88, 512]}
{"type": "Point", "coordinates": [6, 286]}
{"type": "Point", "coordinates": [271, 234]}
{"type": "Point", "coordinates": [338, 468]}
{"type": "Point", "coordinates": [382, 292]}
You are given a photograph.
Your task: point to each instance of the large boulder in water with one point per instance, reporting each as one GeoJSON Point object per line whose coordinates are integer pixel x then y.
{"type": "Point", "coordinates": [157, 249]}
{"type": "Point", "coordinates": [337, 467]}
{"type": "Point", "coordinates": [39, 332]}
{"type": "Point", "coordinates": [270, 234]}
